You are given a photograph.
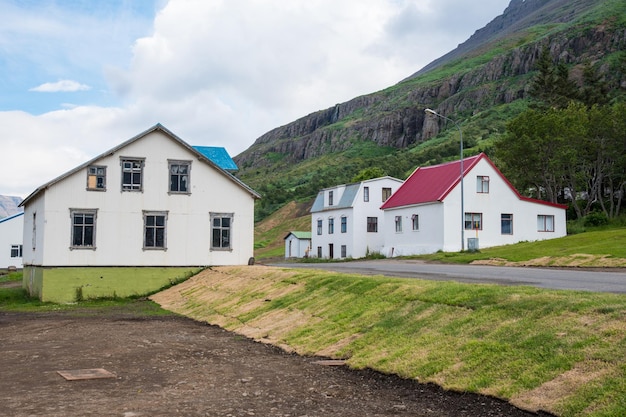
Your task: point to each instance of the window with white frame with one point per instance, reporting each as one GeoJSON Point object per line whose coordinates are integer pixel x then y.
{"type": "Point", "coordinates": [221, 231]}
{"type": "Point", "coordinates": [398, 221]}
{"type": "Point", "coordinates": [132, 174]}
{"type": "Point", "coordinates": [545, 223]}
{"type": "Point", "coordinates": [331, 225]}
{"type": "Point", "coordinates": [83, 228]}
{"type": "Point", "coordinates": [344, 224]}
{"type": "Point", "coordinates": [96, 178]}
{"type": "Point", "coordinates": [179, 172]}
{"type": "Point", "coordinates": [473, 221]}
{"type": "Point", "coordinates": [506, 224]}
{"type": "Point", "coordinates": [155, 230]}
{"type": "Point", "coordinates": [372, 224]}
{"type": "Point", "coordinates": [16, 251]}
{"type": "Point", "coordinates": [319, 226]}
{"type": "Point", "coordinates": [482, 184]}
{"type": "Point", "coordinates": [366, 194]}
{"type": "Point", "coordinates": [415, 221]}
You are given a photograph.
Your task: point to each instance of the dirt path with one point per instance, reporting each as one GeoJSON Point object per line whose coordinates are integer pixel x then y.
{"type": "Point", "coordinates": [174, 366]}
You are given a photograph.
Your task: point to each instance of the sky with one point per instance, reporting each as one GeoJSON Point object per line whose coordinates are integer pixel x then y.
{"type": "Point", "coordinates": [78, 77]}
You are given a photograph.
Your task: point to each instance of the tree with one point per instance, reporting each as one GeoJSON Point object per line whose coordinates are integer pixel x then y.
{"type": "Point", "coordinates": [368, 174]}
{"type": "Point", "coordinates": [551, 86]}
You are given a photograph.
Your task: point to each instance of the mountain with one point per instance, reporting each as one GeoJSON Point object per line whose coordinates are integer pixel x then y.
{"type": "Point", "coordinates": [482, 84]}
{"type": "Point", "coordinates": [9, 206]}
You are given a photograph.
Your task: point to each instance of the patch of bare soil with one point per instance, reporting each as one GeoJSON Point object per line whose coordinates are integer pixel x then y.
{"type": "Point", "coordinates": [580, 260]}
{"type": "Point", "coordinates": [174, 366]}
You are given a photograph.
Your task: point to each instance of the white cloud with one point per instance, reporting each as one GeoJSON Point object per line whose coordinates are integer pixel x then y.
{"type": "Point", "coordinates": [61, 86]}
{"type": "Point", "coordinates": [214, 72]}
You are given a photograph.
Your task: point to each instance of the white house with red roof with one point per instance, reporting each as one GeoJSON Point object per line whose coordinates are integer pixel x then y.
{"type": "Point", "coordinates": [346, 220]}
{"type": "Point", "coordinates": [424, 215]}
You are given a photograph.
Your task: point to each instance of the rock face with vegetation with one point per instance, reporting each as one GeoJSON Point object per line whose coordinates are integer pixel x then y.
{"type": "Point", "coordinates": [9, 205]}
{"type": "Point", "coordinates": [482, 84]}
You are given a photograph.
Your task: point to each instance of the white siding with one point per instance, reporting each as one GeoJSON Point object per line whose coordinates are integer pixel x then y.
{"type": "Point", "coordinates": [119, 230]}
{"type": "Point", "coordinates": [297, 248]}
{"type": "Point", "coordinates": [11, 233]}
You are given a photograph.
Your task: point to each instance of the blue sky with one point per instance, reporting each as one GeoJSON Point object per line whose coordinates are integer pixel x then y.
{"type": "Point", "coordinates": [79, 77]}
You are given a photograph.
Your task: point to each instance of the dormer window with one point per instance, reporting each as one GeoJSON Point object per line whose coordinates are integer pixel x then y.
{"type": "Point", "coordinates": [330, 198]}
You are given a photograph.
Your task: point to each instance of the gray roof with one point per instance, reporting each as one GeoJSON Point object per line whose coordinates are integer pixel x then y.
{"type": "Point", "coordinates": [157, 127]}
{"type": "Point", "coordinates": [347, 198]}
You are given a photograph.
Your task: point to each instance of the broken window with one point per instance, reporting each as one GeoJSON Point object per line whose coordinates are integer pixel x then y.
{"type": "Point", "coordinates": [96, 178]}
{"type": "Point", "coordinates": [179, 176]}
{"type": "Point", "coordinates": [132, 174]}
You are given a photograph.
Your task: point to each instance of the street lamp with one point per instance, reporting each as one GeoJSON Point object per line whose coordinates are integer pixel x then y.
{"type": "Point", "coordinates": [462, 206]}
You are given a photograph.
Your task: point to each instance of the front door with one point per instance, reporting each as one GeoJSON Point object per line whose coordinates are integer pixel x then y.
{"type": "Point", "coordinates": [331, 252]}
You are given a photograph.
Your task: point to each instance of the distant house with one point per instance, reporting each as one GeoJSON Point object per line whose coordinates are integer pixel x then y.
{"type": "Point", "coordinates": [424, 215]}
{"type": "Point", "coordinates": [346, 220]}
{"type": "Point", "coordinates": [297, 245]}
{"type": "Point", "coordinates": [152, 201]}
{"type": "Point", "coordinates": [11, 229]}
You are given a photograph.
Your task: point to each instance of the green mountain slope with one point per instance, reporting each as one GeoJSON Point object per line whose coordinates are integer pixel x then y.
{"type": "Point", "coordinates": [482, 85]}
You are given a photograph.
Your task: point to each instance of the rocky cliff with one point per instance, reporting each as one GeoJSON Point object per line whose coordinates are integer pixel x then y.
{"type": "Point", "coordinates": [9, 205]}
{"type": "Point", "coordinates": [505, 52]}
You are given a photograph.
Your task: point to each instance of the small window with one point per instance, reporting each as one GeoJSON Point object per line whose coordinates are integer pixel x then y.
{"type": "Point", "coordinates": [16, 251]}
{"type": "Point", "coordinates": [473, 221]}
{"type": "Point", "coordinates": [506, 224]}
{"type": "Point", "coordinates": [415, 222]}
{"type": "Point", "coordinates": [366, 194]}
{"type": "Point", "coordinates": [155, 230]}
{"type": "Point", "coordinates": [96, 178]}
{"type": "Point", "coordinates": [386, 193]}
{"type": "Point", "coordinates": [482, 184]}
{"type": "Point", "coordinates": [330, 198]}
{"type": "Point", "coordinates": [344, 224]}
{"type": "Point", "coordinates": [319, 251]}
{"type": "Point", "coordinates": [83, 229]}
{"type": "Point", "coordinates": [319, 226]}
{"type": "Point", "coordinates": [545, 223]}
{"type": "Point", "coordinates": [34, 240]}
{"type": "Point", "coordinates": [331, 226]}
{"type": "Point", "coordinates": [132, 174]}
{"type": "Point", "coordinates": [344, 250]}
{"type": "Point", "coordinates": [372, 224]}
{"type": "Point", "coordinates": [221, 231]}
{"type": "Point", "coordinates": [179, 176]}
{"type": "Point", "coordinates": [398, 224]}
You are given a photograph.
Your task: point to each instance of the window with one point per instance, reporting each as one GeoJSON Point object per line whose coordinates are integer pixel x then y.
{"type": "Point", "coordinates": [331, 226]}
{"type": "Point", "coordinates": [366, 194]}
{"type": "Point", "coordinates": [132, 174]}
{"type": "Point", "coordinates": [344, 250]}
{"type": "Point", "coordinates": [415, 222]}
{"type": "Point", "coordinates": [330, 198]}
{"type": "Point", "coordinates": [506, 224]}
{"type": "Point", "coordinates": [16, 251]}
{"type": "Point", "coordinates": [155, 235]}
{"type": "Point", "coordinates": [319, 226]}
{"type": "Point", "coordinates": [319, 251]}
{"type": "Point", "coordinates": [398, 224]}
{"type": "Point", "coordinates": [482, 184]}
{"type": "Point", "coordinates": [34, 230]}
{"type": "Point", "coordinates": [545, 223]}
{"type": "Point", "coordinates": [372, 224]}
{"type": "Point", "coordinates": [96, 178]}
{"type": "Point", "coordinates": [83, 229]}
{"type": "Point", "coordinates": [221, 226]}
{"type": "Point", "coordinates": [386, 193]}
{"type": "Point", "coordinates": [344, 224]}
{"type": "Point", "coordinates": [179, 176]}
{"type": "Point", "coordinates": [473, 221]}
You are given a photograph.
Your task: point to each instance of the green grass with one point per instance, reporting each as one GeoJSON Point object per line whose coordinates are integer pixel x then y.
{"type": "Point", "coordinates": [518, 343]}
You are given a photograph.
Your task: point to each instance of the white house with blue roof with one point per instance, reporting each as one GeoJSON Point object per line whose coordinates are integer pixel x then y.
{"type": "Point", "coordinates": [153, 201]}
{"type": "Point", "coordinates": [11, 238]}
{"type": "Point", "coordinates": [346, 220]}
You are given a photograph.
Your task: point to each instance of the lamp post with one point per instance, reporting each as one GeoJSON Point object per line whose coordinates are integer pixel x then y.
{"type": "Point", "coordinates": [462, 205]}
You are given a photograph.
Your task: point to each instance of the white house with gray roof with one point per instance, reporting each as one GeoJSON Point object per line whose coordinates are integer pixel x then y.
{"type": "Point", "coordinates": [346, 220]}
{"type": "Point", "coordinates": [11, 229]}
{"type": "Point", "coordinates": [152, 201]}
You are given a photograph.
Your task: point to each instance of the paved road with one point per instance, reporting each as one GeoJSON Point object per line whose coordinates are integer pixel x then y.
{"type": "Point", "coordinates": [562, 279]}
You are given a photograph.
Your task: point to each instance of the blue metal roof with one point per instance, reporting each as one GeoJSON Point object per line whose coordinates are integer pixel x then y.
{"type": "Point", "coordinates": [21, 213]}
{"type": "Point", "coordinates": [219, 156]}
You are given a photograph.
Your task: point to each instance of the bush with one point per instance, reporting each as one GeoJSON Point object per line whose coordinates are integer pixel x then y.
{"type": "Point", "coordinates": [596, 219]}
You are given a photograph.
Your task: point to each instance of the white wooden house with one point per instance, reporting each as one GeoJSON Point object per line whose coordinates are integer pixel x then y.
{"type": "Point", "coordinates": [297, 244]}
{"type": "Point", "coordinates": [346, 220]}
{"type": "Point", "coordinates": [11, 229]}
{"type": "Point", "coordinates": [152, 201]}
{"type": "Point", "coordinates": [424, 215]}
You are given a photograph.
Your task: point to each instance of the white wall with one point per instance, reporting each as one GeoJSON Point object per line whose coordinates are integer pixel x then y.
{"type": "Point", "coordinates": [11, 233]}
{"type": "Point", "coordinates": [427, 239]}
{"type": "Point", "coordinates": [119, 224]}
{"type": "Point", "coordinates": [297, 248]}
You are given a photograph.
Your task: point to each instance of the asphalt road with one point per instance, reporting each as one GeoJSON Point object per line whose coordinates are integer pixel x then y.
{"type": "Point", "coordinates": [553, 278]}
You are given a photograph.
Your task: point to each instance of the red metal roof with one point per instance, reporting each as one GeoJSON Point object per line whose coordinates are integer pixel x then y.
{"type": "Point", "coordinates": [433, 183]}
